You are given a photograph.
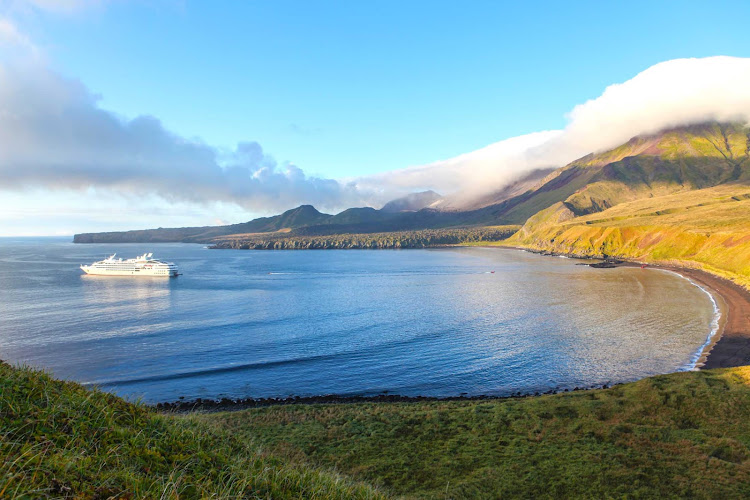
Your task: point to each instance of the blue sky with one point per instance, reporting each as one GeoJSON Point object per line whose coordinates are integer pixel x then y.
{"type": "Point", "coordinates": [345, 88]}
{"type": "Point", "coordinates": [349, 89]}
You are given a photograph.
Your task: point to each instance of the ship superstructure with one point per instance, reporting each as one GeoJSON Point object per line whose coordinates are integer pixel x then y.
{"type": "Point", "coordinates": [143, 265]}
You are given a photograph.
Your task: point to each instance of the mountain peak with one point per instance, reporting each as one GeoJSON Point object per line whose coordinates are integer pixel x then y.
{"type": "Point", "coordinates": [412, 202]}
{"type": "Point", "coordinates": [706, 139]}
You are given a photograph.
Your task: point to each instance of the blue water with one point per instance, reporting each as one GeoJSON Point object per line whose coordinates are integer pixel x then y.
{"type": "Point", "coordinates": [436, 322]}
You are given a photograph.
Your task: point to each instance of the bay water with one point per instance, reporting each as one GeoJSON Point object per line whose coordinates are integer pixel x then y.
{"type": "Point", "coordinates": [433, 322]}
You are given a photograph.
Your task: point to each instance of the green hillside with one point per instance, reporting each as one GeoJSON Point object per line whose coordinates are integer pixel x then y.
{"type": "Point", "coordinates": [59, 440]}
{"type": "Point", "coordinates": [683, 198]}
{"type": "Point", "coordinates": [685, 435]}
{"type": "Point", "coordinates": [680, 159]}
{"type": "Point", "coordinates": [708, 229]}
{"type": "Point", "coordinates": [673, 436]}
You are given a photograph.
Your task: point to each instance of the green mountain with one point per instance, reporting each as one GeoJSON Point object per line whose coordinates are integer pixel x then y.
{"type": "Point", "coordinates": [679, 159]}
{"type": "Point", "coordinates": [681, 196]}
{"type": "Point", "coordinates": [304, 215]}
{"type": "Point", "coordinates": [670, 162]}
{"type": "Point", "coordinates": [306, 220]}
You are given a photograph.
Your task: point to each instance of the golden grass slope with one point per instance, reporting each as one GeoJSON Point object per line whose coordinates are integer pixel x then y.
{"type": "Point", "coordinates": [707, 228]}
{"type": "Point", "coordinates": [687, 158]}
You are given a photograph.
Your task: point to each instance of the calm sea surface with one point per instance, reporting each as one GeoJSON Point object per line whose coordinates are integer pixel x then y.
{"type": "Point", "coordinates": [280, 323]}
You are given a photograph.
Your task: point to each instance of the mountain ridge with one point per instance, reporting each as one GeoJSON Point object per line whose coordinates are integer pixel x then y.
{"type": "Point", "coordinates": [677, 159]}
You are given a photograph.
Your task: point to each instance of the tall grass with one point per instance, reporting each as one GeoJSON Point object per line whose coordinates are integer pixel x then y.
{"type": "Point", "coordinates": [685, 435]}
{"type": "Point", "coordinates": [58, 439]}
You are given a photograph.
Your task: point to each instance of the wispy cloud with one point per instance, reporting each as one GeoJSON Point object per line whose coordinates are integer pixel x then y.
{"type": "Point", "coordinates": [470, 174]}
{"type": "Point", "coordinates": [676, 92]}
{"type": "Point", "coordinates": [56, 136]}
{"type": "Point", "coordinates": [11, 38]}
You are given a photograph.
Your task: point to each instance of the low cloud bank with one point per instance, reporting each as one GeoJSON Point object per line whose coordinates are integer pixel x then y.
{"type": "Point", "coordinates": [668, 94]}
{"type": "Point", "coordinates": [55, 136]}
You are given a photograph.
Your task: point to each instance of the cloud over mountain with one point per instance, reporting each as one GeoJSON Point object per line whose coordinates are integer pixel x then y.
{"type": "Point", "coordinates": [55, 136]}
{"type": "Point", "coordinates": [668, 94]}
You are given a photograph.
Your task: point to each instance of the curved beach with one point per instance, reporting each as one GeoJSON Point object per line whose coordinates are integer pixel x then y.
{"type": "Point", "coordinates": [731, 344]}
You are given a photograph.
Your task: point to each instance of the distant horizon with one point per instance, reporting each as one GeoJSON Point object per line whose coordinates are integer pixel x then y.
{"type": "Point", "coordinates": [198, 120]}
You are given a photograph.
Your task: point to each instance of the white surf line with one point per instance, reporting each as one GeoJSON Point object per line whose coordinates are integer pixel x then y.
{"type": "Point", "coordinates": [715, 323]}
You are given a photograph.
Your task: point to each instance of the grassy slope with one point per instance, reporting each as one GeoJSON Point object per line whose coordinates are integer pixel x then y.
{"type": "Point", "coordinates": [672, 161]}
{"type": "Point", "coordinates": [679, 435]}
{"type": "Point", "coordinates": [681, 159]}
{"type": "Point", "coordinates": [58, 439]}
{"type": "Point", "coordinates": [681, 197]}
{"type": "Point", "coordinates": [708, 228]}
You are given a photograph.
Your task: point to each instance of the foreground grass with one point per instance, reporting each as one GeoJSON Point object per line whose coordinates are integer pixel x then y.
{"type": "Point", "coordinates": [680, 435]}
{"type": "Point", "coordinates": [58, 439]}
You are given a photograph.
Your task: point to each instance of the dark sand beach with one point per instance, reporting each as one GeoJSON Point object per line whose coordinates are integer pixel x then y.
{"type": "Point", "coordinates": [733, 345]}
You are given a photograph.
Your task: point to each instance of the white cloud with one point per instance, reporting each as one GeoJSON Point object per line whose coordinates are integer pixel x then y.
{"type": "Point", "coordinates": [472, 173]}
{"type": "Point", "coordinates": [56, 137]}
{"type": "Point", "coordinates": [676, 92]}
{"type": "Point", "coordinates": [11, 37]}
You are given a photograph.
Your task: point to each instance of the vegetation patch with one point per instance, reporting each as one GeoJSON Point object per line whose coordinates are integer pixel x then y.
{"type": "Point", "coordinates": [685, 435]}
{"type": "Point", "coordinates": [59, 440]}
{"type": "Point", "coordinates": [424, 238]}
{"type": "Point", "coordinates": [706, 228]}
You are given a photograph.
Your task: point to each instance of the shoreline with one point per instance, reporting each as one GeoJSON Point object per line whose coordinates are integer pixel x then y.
{"type": "Point", "coordinates": [730, 345]}
{"type": "Point", "coordinates": [227, 404]}
{"type": "Point", "coordinates": [717, 324]}
{"type": "Point", "coordinates": [721, 310]}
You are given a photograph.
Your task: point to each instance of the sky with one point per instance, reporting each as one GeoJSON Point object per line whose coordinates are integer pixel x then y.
{"type": "Point", "coordinates": [128, 115]}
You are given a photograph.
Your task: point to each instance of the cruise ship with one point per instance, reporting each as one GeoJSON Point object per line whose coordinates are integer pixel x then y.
{"type": "Point", "coordinates": [143, 265]}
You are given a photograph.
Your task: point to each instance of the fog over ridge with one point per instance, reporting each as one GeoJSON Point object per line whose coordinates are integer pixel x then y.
{"type": "Point", "coordinates": [56, 136]}
{"type": "Point", "coordinates": [668, 94]}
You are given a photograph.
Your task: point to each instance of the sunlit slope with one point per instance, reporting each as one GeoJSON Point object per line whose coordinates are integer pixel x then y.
{"type": "Point", "coordinates": [707, 228]}
{"type": "Point", "coordinates": [684, 435]}
{"type": "Point", "coordinates": [672, 161]}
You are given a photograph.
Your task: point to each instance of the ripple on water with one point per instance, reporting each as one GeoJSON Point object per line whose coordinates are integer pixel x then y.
{"type": "Point", "coordinates": [417, 322]}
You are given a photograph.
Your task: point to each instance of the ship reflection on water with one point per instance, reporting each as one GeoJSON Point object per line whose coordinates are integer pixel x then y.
{"type": "Point", "coordinates": [271, 324]}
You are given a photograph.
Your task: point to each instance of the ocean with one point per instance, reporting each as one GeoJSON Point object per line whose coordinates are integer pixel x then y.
{"type": "Point", "coordinates": [433, 322]}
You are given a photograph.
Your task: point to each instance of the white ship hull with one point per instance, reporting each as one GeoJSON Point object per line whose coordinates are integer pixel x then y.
{"type": "Point", "coordinates": [134, 272]}
{"type": "Point", "coordinates": [143, 265]}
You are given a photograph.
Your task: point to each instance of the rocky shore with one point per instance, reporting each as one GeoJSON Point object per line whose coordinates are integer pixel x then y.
{"type": "Point", "coordinates": [228, 404]}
